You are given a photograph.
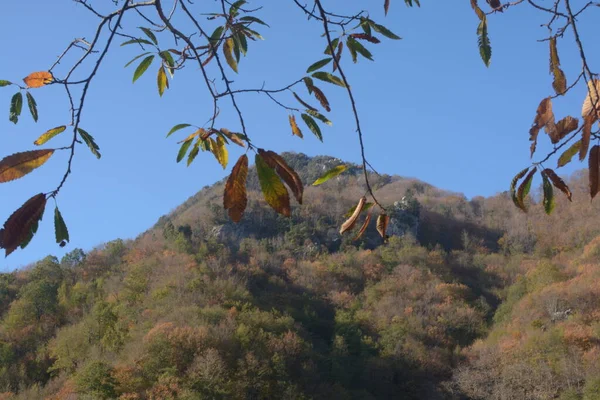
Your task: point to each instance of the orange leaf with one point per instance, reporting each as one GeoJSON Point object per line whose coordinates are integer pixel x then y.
{"type": "Point", "coordinates": [295, 129]}
{"type": "Point", "coordinates": [364, 227]}
{"type": "Point", "coordinates": [20, 164]}
{"type": "Point", "coordinates": [21, 225]}
{"type": "Point", "coordinates": [38, 79]}
{"type": "Point", "coordinates": [350, 222]}
{"type": "Point", "coordinates": [235, 199]}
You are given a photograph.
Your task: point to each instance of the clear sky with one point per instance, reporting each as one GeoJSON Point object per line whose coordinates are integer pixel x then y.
{"type": "Point", "coordinates": [429, 107]}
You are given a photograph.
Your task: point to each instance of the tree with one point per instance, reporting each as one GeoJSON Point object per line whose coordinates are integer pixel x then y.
{"type": "Point", "coordinates": [215, 46]}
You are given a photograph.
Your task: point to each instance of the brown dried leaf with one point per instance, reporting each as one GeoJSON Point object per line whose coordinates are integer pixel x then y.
{"type": "Point", "coordinates": [366, 37]}
{"type": "Point", "coordinates": [235, 199]}
{"type": "Point", "coordinates": [285, 172]}
{"type": "Point", "coordinates": [234, 137]}
{"type": "Point", "coordinates": [386, 6]}
{"type": "Point", "coordinates": [350, 222]}
{"type": "Point", "coordinates": [591, 99]}
{"type": "Point", "coordinates": [305, 104]}
{"type": "Point", "coordinates": [382, 224]}
{"type": "Point", "coordinates": [38, 79]}
{"type": "Point", "coordinates": [319, 95]}
{"type": "Point", "coordinates": [338, 55]}
{"type": "Point", "coordinates": [563, 128]}
{"type": "Point", "coordinates": [558, 183]}
{"type": "Point", "coordinates": [594, 174]}
{"type": "Point", "coordinates": [295, 129]}
{"type": "Point", "coordinates": [586, 133]}
{"type": "Point", "coordinates": [19, 227]}
{"type": "Point", "coordinates": [363, 228]}
{"type": "Point", "coordinates": [20, 164]}
{"type": "Point", "coordinates": [543, 116]}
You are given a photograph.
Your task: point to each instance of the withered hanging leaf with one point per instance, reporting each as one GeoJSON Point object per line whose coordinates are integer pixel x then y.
{"type": "Point", "coordinates": [382, 223]}
{"type": "Point", "coordinates": [289, 176]}
{"type": "Point", "coordinates": [594, 170]}
{"type": "Point", "coordinates": [228, 52]}
{"type": "Point", "coordinates": [563, 128]}
{"type": "Point", "coordinates": [366, 207]}
{"type": "Point", "coordinates": [60, 228]}
{"type": "Point", "coordinates": [308, 82]}
{"type": "Point", "coordinates": [19, 227]}
{"type": "Point", "coordinates": [548, 200]}
{"type": "Point", "coordinates": [386, 6]}
{"type": "Point", "coordinates": [363, 228]}
{"type": "Point", "coordinates": [358, 48]}
{"type": "Point", "coordinates": [366, 37]}
{"type": "Point", "coordinates": [586, 134]}
{"type": "Point", "coordinates": [235, 199]}
{"type": "Point", "coordinates": [543, 116]}
{"type": "Point", "coordinates": [295, 129]}
{"type": "Point", "coordinates": [524, 189]}
{"type": "Point", "coordinates": [513, 186]}
{"type": "Point", "coordinates": [20, 164]}
{"type": "Point", "coordinates": [558, 183]}
{"type": "Point", "coordinates": [332, 173]}
{"type": "Point", "coordinates": [273, 189]}
{"type": "Point", "coordinates": [234, 137]}
{"type": "Point", "coordinates": [592, 98]}
{"type": "Point", "coordinates": [319, 95]}
{"type": "Point", "coordinates": [350, 222]}
{"type": "Point", "coordinates": [560, 82]}
{"type": "Point", "coordinates": [305, 104]}
{"type": "Point", "coordinates": [49, 135]}
{"type": "Point", "coordinates": [567, 156]}
{"type": "Point", "coordinates": [38, 79]}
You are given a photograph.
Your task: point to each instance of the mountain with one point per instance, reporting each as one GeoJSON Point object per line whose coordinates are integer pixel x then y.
{"type": "Point", "coordinates": [470, 299]}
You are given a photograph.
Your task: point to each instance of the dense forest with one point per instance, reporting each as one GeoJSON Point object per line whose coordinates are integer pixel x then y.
{"type": "Point", "coordinates": [469, 299]}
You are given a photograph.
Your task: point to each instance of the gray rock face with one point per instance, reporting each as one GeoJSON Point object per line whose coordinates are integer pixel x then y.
{"type": "Point", "coordinates": [404, 217]}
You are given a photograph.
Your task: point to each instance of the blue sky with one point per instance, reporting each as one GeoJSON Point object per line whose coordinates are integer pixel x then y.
{"type": "Point", "coordinates": [429, 108]}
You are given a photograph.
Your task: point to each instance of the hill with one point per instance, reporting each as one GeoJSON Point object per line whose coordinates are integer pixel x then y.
{"type": "Point", "coordinates": [470, 299]}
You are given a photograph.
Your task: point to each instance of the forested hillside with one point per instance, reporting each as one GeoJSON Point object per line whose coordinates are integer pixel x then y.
{"type": "Point", "coordinates": [470, 299]}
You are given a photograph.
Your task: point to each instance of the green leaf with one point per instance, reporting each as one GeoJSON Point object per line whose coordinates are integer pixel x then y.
{"type": "Point", "coordinates": [356, 47]}
{"type": "Point", "coordinates": [312, 125]}
{"type": "Point", "coordinates": [240, 38]}
{"type": "Point", "coordinates": [49, 135]}
{"type": "Point", "coordinates": [233, 10]}
{"type": "Point", "coordinates": [4, 83]}
{"type": "Point", "coordinates": [332, 173]}
{"type": "Point", "coordinates": [32, 106]}
{"type": "Point", "coordinates": [161, 80]}
{"type": "Point", "coordinates": [513, 186]}
{"type": "Point", "coordinates": [183, 149]}
{"type": "Point", "coordinates": [524, 189]}
{"type": "Point", "coordinates": [485, 48]}
{"type": "Point", "coordinates": [548, 194]}
{"type": "Point", "coordinates": [383, 30]}
{"type": "Point", "coordinates": [253, 19]}
{"type": "Point", "coordinates": [334, 44]}
{"type": "Point", "coordinates": [150, 34]}
{"type": "Point", "coordinates": [60, 228]}
{"type": "Point", "coordinates": [137, 41]}
{"type": "Point", "coordinates": [319, 64]}
{"type": "Point", "coordinates": [364, 24]}
{"type": "Point", "coordinates": [89, 141]}
{"type": "Point", "coordinates": [309, 84]}
{"type": "Point", "coordinates": [193, 153]}
{"type": "Point", "coordinates": [139, 71]}
{"type": "Point", "coordinates": [216, 35]}
{"type": "Point", "coordinates": [327, 77]}
{"type": "Point", "coordinates": [320, 117]}
{"type": "Point", "coordinates": [254, 33]}
{"type": "Point", "coordinates": [273, 189]}
{"type": "Point", "coordinates": [567, 156]}
{"type": "Point", "coordinates": [176, 128]}
{"type": "Point", "coordinates": [168, 59]}
{"type": "Point", "coordinates": [16, 105]}
{"type": "Point", "coordinates": [135, 58]}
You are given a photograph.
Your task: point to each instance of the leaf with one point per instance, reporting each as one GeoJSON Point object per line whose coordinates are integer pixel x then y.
{"type": "Point", "coordinates": [338, 55]}
{"type": "Point", "coordinates": [38, 79]}
{"type": "Point", "coordinates": [176, 128]}
{"type": "Point", "coordinates": [566, 157]}
{"type": "Point", "coordinates": [273, 189]}
{"type": "Point", "coordinates": [382, 223]}
{"type": "Point", "coordinates": [305, 104]}
{"type": "Point", "coordinates": [193, 153]}
{"type": "Point", "coordinates": [309, 84]}
{"type": "Point", "coordinates": [243, 43]}
{"type": "Point", "coordinates": [135, 58]}
{"type": "Point", "coordinates": [89, 141]}
{"type": "Point", "coordinates": [16, 105]}
{"type": "Point", "coordinates": [228, 52]}
{"type": "Point", "coordinates": [216, 35]}
{"type": "Point", "coordinates": [183, 149]}
{"type": "Point", "coordinates": [592, 98]}
{"type": "Point", "coordinates": [21, 225]}
{"type": "Point", "coordinates": [18, 165]}
{"type": "Point", "coordinates": [386, 6]}
{"type": "Point", "coordinates": [383, 30]}
{"type": "Point", "coordinates": [233, 10]}
{"type": "Point", "coordinates": [594, 173]}
{"type": "Point", "coordinates": [235, 199]}
{"type": "Point", "coordinates": [312, 125]}
{"type": "Point", "coordinates": [358, 48]}
{"type": "Point", "coordinates": [319, 64]}
{"type": "Point", "coordinates": [139, 71]}
{"type": "Point", "coordinates": [150, 34]}
{"type": "Point", "coordinates": [364, 36]}
{"type": "Point", "coordinates": [524, 188]}
{"type": "Point", "coordinates": [250, 18]}
{"type": "Point", "coordinates": [285, 172]}
{"type": "Point", "coordinates": [4, 83]}
{"type": "Point", "coordinates": [560, 82]}
{"type": "Point", "coordinates": [364, 227]}
{"type": "Point", "coordinates": [563, 127]}
{"type": "Point", "coordinates": [32, 106]}
{"type": "Point", "coordinates": [478, 11]}
{"type": "Point", "coordinates": [319, 116]}
{"type": "Point", "coordinates": [137, 41]}
{"type": "Point", "coordinates": [586, 133]}
{"type": "Point", "coordinates": [350, 222]}
{"type": "Point", "coordinates": [220, 151]}
{"type": "Point", "coordinates": [558, 183]}
{"type": "Point", "coordinates": [162, 81]}
{"type": "Point", "coordinates": [321, 97]}
{"type": "Point", "coordinates": [332, 173]}
{"type": "Point", "coordinates": [366, 207]}
{"type": "Point", "coordinates": [295, 129]}
{"type": "Point", "coordinates": [168, 59]}
{"type": "Point", "coordinates": [485, 48]}
{"type": "Point", "coordinates": [543, 117]}
{"type": "Point", "coordinates": [548, 200]}
{"type": "Point", "coordinates": [49, 135]}
{"type": "Point", "coordinates": [334, 44]}
{"type": "Point", "coordinates": [513, 186]}
{"type": "Point", "coordinates": [234, 137]}
{"type": "Point", "coordinates": [60, 228]}
{"type": "Point", "coordinates": [327, 77]}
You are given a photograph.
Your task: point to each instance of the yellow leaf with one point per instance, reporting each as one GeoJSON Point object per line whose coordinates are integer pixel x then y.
{"type": "Point", "coordinates": [49, 135]}
{"type": "Point", "coordinates": [38, 79]}
{"type": "Point", "coordinates": [220, 151]}
{"type": "Point", "coordinates": [382, 224]}
{"type": "Point", "coordinates": [162, 81]}
{"type": "Point", "coordinates": [20, 164]}
{"type": "Point", "coordinates": [228, 52]}
{"type": "Point", "coordinates": [295, 129]}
